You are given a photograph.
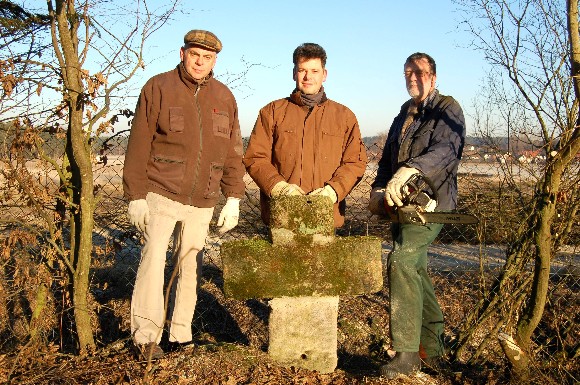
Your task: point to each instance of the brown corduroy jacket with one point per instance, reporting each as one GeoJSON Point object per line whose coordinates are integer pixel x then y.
{"type": "Point", "coordinates": [185, 141]}
{"type": "Point", "coordinates": [307, 148]}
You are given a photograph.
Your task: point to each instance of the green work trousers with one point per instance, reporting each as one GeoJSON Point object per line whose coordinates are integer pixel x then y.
{"type": "Point", "coordinates": [416, 317]}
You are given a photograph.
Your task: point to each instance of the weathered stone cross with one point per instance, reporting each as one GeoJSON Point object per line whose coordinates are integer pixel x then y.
{"type": "Point", "coordinates": [304, 270]}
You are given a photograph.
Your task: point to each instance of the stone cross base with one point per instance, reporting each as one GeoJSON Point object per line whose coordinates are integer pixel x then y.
{"type": "Point", "coordinates": [303, 332]}
{"type": "Point", "coordinates": [303, 269]}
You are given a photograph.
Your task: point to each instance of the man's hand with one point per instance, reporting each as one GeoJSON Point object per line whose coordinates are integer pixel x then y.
{"type": "Point", "coordinates": [326, 191]}
{"type": "Point", "coordinates": [284, 188]}
{"type": "Point", "coordinates": [229, 215]}
{"type": "Point", "coordinates": [393, 192]}
{"type": "Point", "coordinates": [139, 213]}
{"type": "Point", "coordinates": [377, 201]}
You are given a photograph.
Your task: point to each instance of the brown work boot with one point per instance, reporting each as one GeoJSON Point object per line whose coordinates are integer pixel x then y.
{"type": "Point", "coordinates": [407, 363]}
{"type": "Point", "coordinates": [150, 351]}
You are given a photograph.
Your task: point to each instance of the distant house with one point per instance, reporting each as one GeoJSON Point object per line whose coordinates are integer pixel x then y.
{"type": "Point", "coordinates": [531, 156]}
{"type": "Point", "coordinates": [479, 153]}
{"type": "Point", "coordinates": [502, 158]}
{"type": "Point", "coordinates": [470, 152]}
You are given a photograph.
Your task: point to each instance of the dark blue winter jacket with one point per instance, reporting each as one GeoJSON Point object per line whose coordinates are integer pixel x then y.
{"type": "Point", "coordinates": [433, 144]}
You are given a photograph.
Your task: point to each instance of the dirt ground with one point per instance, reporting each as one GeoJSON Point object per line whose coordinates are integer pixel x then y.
{"type": "Point", "coordinates": [211, 362]}
{"type": "Point", "coordinates": [232, 336]}
{"type": "Point", "coordinates": [231, 344]}
{"type": "Point", "coordinates": [224, 364]}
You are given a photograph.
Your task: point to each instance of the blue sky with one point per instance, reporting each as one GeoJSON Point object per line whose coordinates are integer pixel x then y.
{"type": "Point", "coordinates": [366, 41]}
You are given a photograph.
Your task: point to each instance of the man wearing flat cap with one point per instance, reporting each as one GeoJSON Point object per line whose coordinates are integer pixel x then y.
{"type": "Point", "coordinates": [184, 148]}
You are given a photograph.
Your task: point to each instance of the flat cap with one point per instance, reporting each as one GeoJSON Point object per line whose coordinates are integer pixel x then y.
{"type": "Point", "coordinates": [204, 39]}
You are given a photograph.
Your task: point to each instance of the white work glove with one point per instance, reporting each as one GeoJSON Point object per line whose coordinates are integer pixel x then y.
{"type": "Point", "coordinates": [377, 201]}
{"type": "Point", "coordinates": [326, 191]}
{"type": "Point", "coordinates": [284, 188]}
{"type": "Point", "coordinates": [139, 213]}
{"type": "Point", "coordinates": [229, 215]}
{"type": "Point", "coordinates": [393, 192]}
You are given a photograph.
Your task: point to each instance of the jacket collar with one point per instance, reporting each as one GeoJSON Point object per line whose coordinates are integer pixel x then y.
{"type": "Point", "coordinates": [429, 103]}
{"type": "Point", "coordinates": [426, 105]}
{"type": "Point", "coordinates": [191, 82]}
{"type": "Point", "coordinates": [295, 97]}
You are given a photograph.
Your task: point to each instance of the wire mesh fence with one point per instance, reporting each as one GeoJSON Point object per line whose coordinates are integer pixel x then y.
{"type": "Point", "coordinates": [464, 260]}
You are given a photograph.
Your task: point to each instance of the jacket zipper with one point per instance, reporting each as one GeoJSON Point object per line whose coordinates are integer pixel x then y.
{"type": "Point", "coordinates": [198, 162]}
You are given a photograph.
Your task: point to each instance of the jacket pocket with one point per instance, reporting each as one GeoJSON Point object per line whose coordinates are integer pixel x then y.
{"type": "Point", "coordinates": [284, 150]}
{"type": "Point", "coordinates": [176, 119]}
{"type": "Point", "coordinates": [420, 141]}
{"type": "Point", "coordinates": [221, 123]}
{"type": "Point", "coordinates": [215, 177]}
{"type": "Point", "coordinates": [331, 148]}
{"type": "Point", "coordinates": [167, 172]}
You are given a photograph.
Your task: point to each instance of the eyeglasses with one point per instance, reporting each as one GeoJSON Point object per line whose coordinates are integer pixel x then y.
{"type": "Point", "coordinates": [418, 74]}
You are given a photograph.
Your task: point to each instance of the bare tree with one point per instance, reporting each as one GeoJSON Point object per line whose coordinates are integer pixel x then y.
{"type": "Point", "coordinates": [533, 48]}
{"type": "Point", "coordinates": [58, 86]}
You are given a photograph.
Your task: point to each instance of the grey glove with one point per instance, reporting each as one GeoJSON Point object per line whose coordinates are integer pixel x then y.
{"type": "Point", "coordinates": [393, 193]}
{"type": "Point", "coordinates": [139, 213]}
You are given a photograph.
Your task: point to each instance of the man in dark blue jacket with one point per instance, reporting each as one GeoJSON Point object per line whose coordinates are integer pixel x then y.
{"type": "Point", "coordinates": [426, 138]}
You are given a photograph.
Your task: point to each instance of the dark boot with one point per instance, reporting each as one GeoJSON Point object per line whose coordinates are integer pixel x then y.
{"type": "Point", "coordinates": [150, 351]}
{"type": "Point", "coordinates": [407, 363]}
{"type": "Point", "coordinates": [174, 346]}
{"type": "Point", "coordinates": [433, 365]}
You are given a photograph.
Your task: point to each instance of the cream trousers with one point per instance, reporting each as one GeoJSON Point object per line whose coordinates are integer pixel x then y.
{"type": "Point", "coordinates": [191, 225]}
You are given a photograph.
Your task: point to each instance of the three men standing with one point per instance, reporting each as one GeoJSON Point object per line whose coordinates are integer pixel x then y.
{"type": "Point", "coordinates": [185, 146]}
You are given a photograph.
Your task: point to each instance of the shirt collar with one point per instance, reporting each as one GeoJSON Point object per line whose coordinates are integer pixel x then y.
{"type": "Point", "coordinates": [427, 103]}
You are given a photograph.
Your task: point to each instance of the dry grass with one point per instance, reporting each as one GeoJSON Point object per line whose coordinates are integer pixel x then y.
{"type": "Point", "coordinates": [232, 336]}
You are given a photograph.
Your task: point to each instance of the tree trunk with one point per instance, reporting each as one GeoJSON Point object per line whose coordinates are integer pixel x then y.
{"type": "Point", "coordinates": [519, 360]}
{"type": "Point", "coordinates": [79, 153]}
{"type": "Point", "coordinates": [574, 36]}
{"type": "Point", "coordinates": [534, 242]}
{"type": "Point", "coordinates": [518, 350]}
{"type": "Point", "coordinates": [546, 210]}
{"type": "Point", "coordinates": [83, 218]}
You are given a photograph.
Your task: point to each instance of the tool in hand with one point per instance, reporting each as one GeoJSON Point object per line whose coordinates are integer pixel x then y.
{"type": "Point", "coordinates": [419, 201]}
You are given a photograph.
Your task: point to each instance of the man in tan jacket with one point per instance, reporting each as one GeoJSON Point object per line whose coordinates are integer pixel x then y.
{"type": "Point", "coordinates": [306, 143]}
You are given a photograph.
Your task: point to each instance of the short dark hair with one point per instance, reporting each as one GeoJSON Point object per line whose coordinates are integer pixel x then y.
{"type": "Point", "coordinates": [309, 51]}
{"type": "Point", "coordinates": [421, 55]}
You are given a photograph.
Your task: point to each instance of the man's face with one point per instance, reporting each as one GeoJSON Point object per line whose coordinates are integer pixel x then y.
{"type": "Point", "coordinates": [198, 62]}
{"type": "Point", "coordinates": [309, 75]}
{"type": "Point", "coordinates": [420, 81]}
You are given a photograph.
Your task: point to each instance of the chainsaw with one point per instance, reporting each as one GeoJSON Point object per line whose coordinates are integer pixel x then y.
{"type": "Point", "coordinates": [419, 200]}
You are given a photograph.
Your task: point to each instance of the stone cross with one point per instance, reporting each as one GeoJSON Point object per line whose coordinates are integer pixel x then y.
{"type": "Point", "coordinates": [303, 270]}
